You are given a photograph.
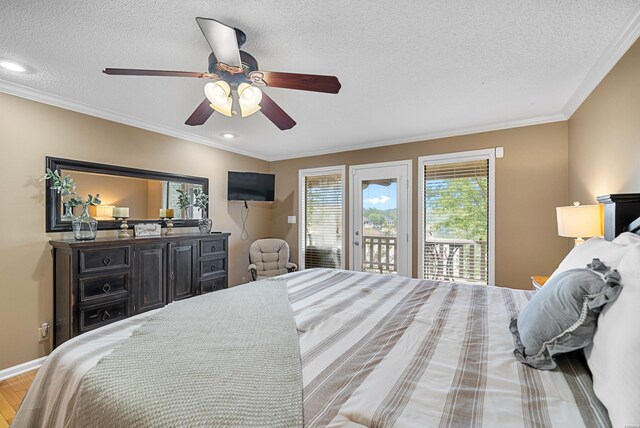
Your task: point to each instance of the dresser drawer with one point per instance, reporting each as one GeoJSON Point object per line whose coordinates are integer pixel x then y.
{"type": "Point", "coordinates": [103, 259]}
{"type": "Point", "coordinates": [215, 266]}
{"type": "Point", "coordinates": [97, 316]}
{"type": "Point", "coordinates": [97, 287]}
{"type": "Point", "coordinates": [213, 246]}
{"type": "Point", "coordinates": [214, 284]}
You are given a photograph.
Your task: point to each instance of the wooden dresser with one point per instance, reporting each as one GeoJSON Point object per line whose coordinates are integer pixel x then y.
{"type": "Point", "coordinates": [109, 279]}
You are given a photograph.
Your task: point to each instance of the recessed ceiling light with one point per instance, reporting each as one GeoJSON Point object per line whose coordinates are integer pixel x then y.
{"type": "Point", "coordinates": [12, 66]}
{"type": "Point", "coordinates": [228, 135]}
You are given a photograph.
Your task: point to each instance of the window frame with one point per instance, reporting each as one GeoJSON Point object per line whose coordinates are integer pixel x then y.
{"type": "Point", "coordinates": [470, 155]}
{"type": "Point", "coordinates": [315, 172]}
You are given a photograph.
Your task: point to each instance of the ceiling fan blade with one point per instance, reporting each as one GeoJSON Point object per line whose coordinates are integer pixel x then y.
{"type": "Point", "coordinates": [304, 82]}
{"type": "Point", "coordinates": [223, 41]}
{"type": "Point", "coordinates": [167, 73]}
{"type": "Point", "coordinates": [200, 114]}
{"type": "Point", "coordinates": [275, 114]}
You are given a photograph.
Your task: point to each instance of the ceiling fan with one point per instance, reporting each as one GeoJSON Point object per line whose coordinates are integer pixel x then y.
{"type": "Point", "coordinates": [232, 69]}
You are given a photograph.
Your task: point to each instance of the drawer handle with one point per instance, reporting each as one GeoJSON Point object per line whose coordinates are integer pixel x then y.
{"type": "Point", "coordinates": [106, 287]}
{"type": "Point", "coordinates": [106, 261]}
{"type": "Point", "coordinates": [105, 316]}
{"type": "Point", "coordinates": [214, 268]}
{"type": "Point", "coordinates": [213, 248]}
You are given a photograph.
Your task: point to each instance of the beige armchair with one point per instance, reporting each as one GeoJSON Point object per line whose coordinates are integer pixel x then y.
{"type": "Point", "coordinates": [269, 257]}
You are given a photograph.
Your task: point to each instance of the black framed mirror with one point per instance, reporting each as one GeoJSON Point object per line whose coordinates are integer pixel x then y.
{"type": "Point", "coordinates": [144, 192]}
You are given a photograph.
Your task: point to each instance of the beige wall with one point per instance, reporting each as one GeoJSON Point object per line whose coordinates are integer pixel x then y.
{"type": "Point", "coordinates": [154, 198]}
{"type": "Point", "coordinates": [29, 131]}
{"type": "Point", "coordinates": [117, 191]}
{"type": "Point", "coordinates": [604, 135]}
{"type": "Point", "coordinates": [531, 180]}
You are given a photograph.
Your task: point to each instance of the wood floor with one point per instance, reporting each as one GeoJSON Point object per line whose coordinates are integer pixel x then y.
{"type": "Point", "coordinates": [12, 391]}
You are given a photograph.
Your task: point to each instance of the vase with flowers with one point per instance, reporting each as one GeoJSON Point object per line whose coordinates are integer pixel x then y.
{"type": "Point", "coordinates": [201, 201]}
{"type": "Point", "coordinates": [66, 187]}
{"type": "Point", "coordinates": [183, 203]}
{"type": "Point", "coordinates": [85, 227]}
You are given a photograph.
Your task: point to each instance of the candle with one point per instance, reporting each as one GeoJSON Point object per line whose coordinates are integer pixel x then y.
{"type": "Point", "coordinates": [104, 211]}
{"type": "Point", "coordinates": [166, 213]}
{"type": "Point", "coordinates": [121, 212]}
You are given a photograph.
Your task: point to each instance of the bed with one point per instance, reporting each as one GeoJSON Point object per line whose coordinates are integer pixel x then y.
{"type": "Point", "coordinates": [374, 351]}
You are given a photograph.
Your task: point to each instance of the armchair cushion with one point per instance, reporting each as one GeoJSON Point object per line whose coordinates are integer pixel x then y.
{"type": "Point", "coordinates": [270, 257]}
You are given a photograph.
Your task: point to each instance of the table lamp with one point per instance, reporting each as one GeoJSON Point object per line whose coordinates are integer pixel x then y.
{"type": "Point", "coordinates": [579, 221]}
{"type": "Point", "coordinates": [104, 211]}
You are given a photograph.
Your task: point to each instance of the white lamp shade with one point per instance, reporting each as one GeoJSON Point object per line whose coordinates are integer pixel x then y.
{"type": "Point", "coordinates": [104, 211]}
{"type": "Point", "coordinates": [219, 94]}
{"type": "Point", "coordinates": [249, 98]}
{"type": "Point", "coordinates": [578, 221]}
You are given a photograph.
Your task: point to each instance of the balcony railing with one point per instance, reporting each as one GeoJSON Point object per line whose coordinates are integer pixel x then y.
{"type": "Point", "coordinates": [379, 254]}
{"type": "Point", "coordinates": [461, 260]}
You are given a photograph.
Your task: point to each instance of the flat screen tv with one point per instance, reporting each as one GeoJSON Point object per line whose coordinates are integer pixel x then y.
{"type": "Point", "coordinates": [250, 186]}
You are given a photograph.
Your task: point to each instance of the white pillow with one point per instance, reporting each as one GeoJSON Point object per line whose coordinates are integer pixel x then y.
{"type": "Point", "coordinates": [627, 238]}
{"type": "Point", "coordinates": [613, 354]}
{"type": "Point", "coordinates": [608, 252]}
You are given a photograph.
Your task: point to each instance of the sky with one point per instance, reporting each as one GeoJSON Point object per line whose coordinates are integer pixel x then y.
{"type": "Point", "coordinates": [381, 197]}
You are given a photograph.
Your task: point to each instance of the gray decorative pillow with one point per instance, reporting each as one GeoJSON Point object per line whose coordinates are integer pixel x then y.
{"type": "Point", "coordinates": [562, 316]}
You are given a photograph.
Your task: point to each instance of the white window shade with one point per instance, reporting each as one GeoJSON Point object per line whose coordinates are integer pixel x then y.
{"type": "Point", "coordinates": [322, 212]}
{"type": "Point", "coordinates": [456, 214]}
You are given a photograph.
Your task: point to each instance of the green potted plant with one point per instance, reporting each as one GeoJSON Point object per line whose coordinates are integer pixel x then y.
{"type": "Point", "coordinates": [66, 187]}
{"type": "Point", "coordinates": [84, 226]}
{"type": "Point", "coordinates": [183, 202]}
{"type": "Point", "coordinates": [201, 201]}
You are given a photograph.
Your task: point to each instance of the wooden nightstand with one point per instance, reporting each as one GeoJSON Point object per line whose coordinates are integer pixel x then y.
{"type": "Point", "coordinates": [538, 281]}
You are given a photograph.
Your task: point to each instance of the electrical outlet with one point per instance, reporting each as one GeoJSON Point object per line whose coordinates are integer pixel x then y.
{"type": "Point", "coordinates": [43, 332]}
{"type": "Point", "coordinates": [243, 279]}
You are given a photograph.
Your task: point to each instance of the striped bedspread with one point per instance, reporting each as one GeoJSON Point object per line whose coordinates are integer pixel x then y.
{"type": "Point", "coordinates": [380, 351]}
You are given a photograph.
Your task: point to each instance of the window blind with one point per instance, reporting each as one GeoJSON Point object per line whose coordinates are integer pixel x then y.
{"type": "Point", "coordinates": [456, 221]}
{"type": "Point", "coordinates": [323, 214]}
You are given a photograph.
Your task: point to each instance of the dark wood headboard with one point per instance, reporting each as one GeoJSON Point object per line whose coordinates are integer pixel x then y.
{"type": "Point", "coordinates": [621, 214]}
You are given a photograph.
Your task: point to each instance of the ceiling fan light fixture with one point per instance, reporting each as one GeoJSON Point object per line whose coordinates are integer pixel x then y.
{"type": "Point", "coordinates": [219, 94]}
{"type": "Point", "coordinates": [249, 98]}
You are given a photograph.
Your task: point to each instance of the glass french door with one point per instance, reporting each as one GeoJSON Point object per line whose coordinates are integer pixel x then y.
{"type": "Point", "coordinates": [381, 218]}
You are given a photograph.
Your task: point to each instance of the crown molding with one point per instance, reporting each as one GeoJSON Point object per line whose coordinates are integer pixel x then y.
{"type": "Point", "coordinates": [609, 58]}
{"type": "Point", "coordinates": [454, 132]}
{"type": "Point", "coordinates": [67, 104]}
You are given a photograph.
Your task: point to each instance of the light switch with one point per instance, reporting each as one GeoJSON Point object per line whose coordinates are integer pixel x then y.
{"type": "Point", "coordinates": [499, 152]}
{"type": "Point", "coordinates": [291, 219]}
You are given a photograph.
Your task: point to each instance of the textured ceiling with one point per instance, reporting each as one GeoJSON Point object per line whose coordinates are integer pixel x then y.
{"type": "Point", "coordinates": [409, 69]}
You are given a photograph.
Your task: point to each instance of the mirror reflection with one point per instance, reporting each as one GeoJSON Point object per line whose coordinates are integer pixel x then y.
{"type": "Point", "coordinates": [145, 198]}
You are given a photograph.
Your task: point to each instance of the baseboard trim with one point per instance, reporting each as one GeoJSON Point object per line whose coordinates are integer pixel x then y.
{"type": "Point", "coordinates": [10, 372]}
